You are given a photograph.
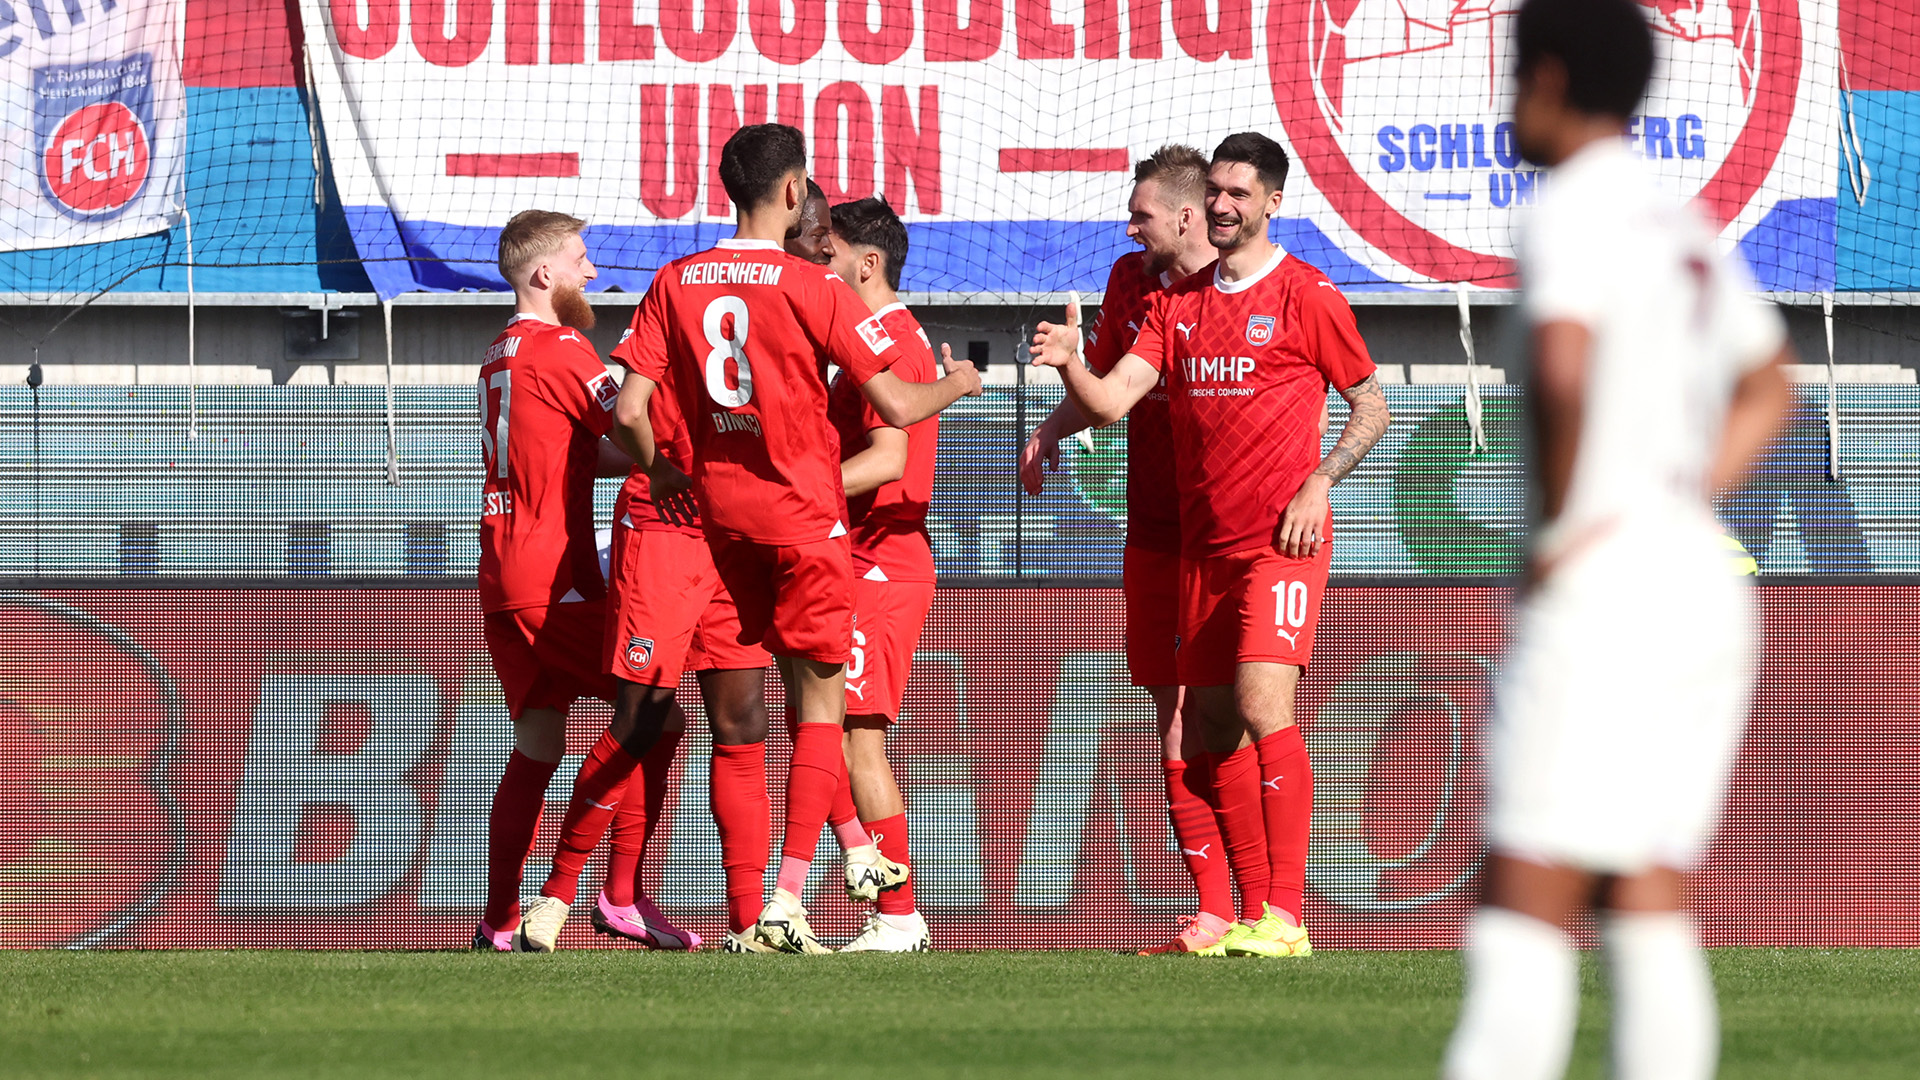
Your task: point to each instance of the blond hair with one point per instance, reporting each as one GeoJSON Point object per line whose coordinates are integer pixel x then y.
{"type": "Point", "coordinates": [1181, 172]}
{"type": "Point", "coordinates": [531, 235]}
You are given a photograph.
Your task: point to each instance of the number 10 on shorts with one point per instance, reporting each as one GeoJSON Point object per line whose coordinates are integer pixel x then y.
{"type": "Point", "coordinates": [1289, 607]}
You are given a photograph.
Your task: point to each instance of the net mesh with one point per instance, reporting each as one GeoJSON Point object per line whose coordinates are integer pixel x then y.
{"type": "Point", "coordinates": [378, 145]}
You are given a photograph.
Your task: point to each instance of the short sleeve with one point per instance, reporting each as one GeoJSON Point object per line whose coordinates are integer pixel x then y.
{"type": "Point", "coordinates": [643, 348]}
{"type": "Point", "coordinates": [1567, 264]}
{"type": "Point", "coordinates": [1103, 340]}
{"type": "Point", "coordinates": [1332, 336]}
{"type": "Point", "coordinates": [1751, 329]}
{"type": "Point", "coordinates": [582, 387]}
{"type": "Point", "coordinates": [857, 341]}
{"type": "Point", "coordinates": [1150, 344]}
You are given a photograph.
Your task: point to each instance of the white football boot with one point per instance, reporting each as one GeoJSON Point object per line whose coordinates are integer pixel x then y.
{"type": "Point", "coordinates": [540, 925]}
{"type": "Point", "coordinates": [870, 873]}
{"type": "Point", "coordinates": [783, 926]}
{"type": "Point", "coordinates": [882, 934]}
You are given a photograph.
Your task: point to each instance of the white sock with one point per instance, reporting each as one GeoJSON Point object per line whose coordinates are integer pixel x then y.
{"type": "Point", "coordinates": [1523, 996]}
{"type": "Point", "coordinates": [909, 921]}
{"type": "Point", "coordinates": [1665, 1025]}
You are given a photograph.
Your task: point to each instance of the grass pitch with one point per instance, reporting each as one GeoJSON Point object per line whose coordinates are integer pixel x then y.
{"type": "Point", "coordinates": [1786, 1013]}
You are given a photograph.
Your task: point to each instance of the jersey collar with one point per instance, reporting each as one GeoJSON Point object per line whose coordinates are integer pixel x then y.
{"type": "Point", "coordinates": [890, 307]}
{"type": "Point", "coordinates": [521, 316]}
{"type": "Point", "coordinates": [735, 243]}
{"type": "Point", "coordinates": [1248, 282]}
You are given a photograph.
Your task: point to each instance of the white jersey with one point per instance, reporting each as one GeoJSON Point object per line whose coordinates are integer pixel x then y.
{"type": "Point", "coordinates": [1622, 700]}
{"type": "Point", "coordinates": [1674, 326]}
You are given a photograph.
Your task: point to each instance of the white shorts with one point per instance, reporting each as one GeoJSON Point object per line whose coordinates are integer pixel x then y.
{"type": "Point", "coordinates": [1621, 705]}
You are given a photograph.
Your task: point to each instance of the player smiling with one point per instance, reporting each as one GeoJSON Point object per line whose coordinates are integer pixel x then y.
{"type": "Point", "coordinates": [1248, 351]}
{"type": "Point", "coordinates": [1167, 218]}
{"type": "Point", "coordinates": [545, 401]}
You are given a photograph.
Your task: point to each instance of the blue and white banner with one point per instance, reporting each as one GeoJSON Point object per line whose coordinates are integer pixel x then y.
{"type": "Point", "coordinates": [96, 121]}
{"type": "Point", "coordinates": [1005, 131]}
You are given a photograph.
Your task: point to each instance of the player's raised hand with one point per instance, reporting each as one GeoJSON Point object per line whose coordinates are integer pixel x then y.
{"type": "Point", "coordinates": [1040, 456]}
{"type": "Point", "coordinates": [1057, 345]}
{"type": "Point", "coordinates": [962, 371]}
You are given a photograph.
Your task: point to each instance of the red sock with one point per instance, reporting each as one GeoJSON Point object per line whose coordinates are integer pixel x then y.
{"type": "Point", "coordinates": [511, 826]}
{"type": "Point", "coordinates": [597, 792]}
{"type": "Point", "coordinates": [818, 764]}
{"type": "Point", "coordinates": [890, 836]}
{"type": "Point", "coordinates": [845, 818]}
{"type": "Point", "coordinates": [741, 811]}
{"type": "Point", "coordinates": [1236, 807]}
{"type": "Point", "coordinates": [634, 822]}
{"type": "Point", "coordinates": [1199, 838]}
{"type": "Point", "coordinates": [1286, 802]}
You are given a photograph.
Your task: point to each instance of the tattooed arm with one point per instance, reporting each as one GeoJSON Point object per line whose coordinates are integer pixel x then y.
{"type": "Point", "coordinates": [1303, 528]}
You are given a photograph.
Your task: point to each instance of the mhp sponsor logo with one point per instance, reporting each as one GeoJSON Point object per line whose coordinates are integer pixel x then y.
{"type": "Point", "coordinates": [93, 123]}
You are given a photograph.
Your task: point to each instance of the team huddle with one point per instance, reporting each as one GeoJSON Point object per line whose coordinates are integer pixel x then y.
{"type": "Point", "coordinates": [764, 517]}
{"type": "Point", "coordinates": [768, 514]}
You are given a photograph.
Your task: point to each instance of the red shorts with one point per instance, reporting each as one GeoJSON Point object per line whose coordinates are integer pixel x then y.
{"type": "Point", "coordinates": [795, 600]}
{"type": "Point", "coordinates": [1259, 605]}
{"type": "Point", "coordinates": [545, 656]}
{"type": "Point", "coordinates": [1150, 582]}
{"type": "Point", "coordinates": [888, 617]}
{"type": "Point", "coordinates": [670, 612]}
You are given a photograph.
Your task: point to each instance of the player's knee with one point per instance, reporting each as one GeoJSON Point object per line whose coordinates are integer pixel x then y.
{"type": "Point", "coordinates": [738, 723]}
{"type": "Point", "coordinates": [541, 734]}
{"type": "Point", "coordinates": [866, 742]}
{"type": "Point", "coordinates": [640, 715]}
{"type": "Point", "coordinates": [676, 721]}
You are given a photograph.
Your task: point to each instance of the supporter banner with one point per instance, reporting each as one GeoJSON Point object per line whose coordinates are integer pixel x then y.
{"type": "Point", "coordinates": [95, 127]}
{"type": "Point", "coordinates": [313, 769]}
{"type": "Point", "coordinates": [1005, 132]}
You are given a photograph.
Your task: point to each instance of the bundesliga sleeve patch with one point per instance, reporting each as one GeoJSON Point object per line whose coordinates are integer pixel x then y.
{"type": "Point", "coordinates": [875, 335]}
{"type": "Point", "coordinates": [604, 390]}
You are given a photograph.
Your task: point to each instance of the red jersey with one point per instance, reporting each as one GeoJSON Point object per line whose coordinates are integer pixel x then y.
{"type": "Point", "coordinates": [634, 507]}
{"type": "Point", "coordinates": [1153, 502]}
{"type": "Point", "coordinates": [741, 335]}
{"type": "Point", "coordinates": [545, 401]}
{"type": "Point", "coordinates": [1247, 366]}
{"type": "Point", "coordinates": [889, 523]}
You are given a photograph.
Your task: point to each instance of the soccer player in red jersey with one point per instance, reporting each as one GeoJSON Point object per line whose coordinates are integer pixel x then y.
{"type": "Point", "coordinates": [888, 476]}
{"type": "Point", "coordinates": [1248, 350]}
{"type": "Point", "coordinates": [546, 400]}
{"type": "Point", "coordinates": [1167, 218]}
{"type": "Point", "coordinates": [742, 335]}
{"type": "Point", "coordinates": [669, 614]}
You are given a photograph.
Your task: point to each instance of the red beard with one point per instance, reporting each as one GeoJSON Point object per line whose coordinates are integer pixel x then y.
{"type": "Point", "coordinates": [571, 308]}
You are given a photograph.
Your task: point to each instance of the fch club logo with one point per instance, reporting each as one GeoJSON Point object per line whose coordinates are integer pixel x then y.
{"type": "Point", "coordinates": [94, 126]}
{"type": "Point", "coordinates": [1399, 111]}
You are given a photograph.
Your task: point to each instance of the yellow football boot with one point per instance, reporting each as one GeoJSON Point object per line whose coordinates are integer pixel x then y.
{"type": "Point", "coordinates": [1272, 936]}
{"type": "Point", "coordinates": [1235, 934]}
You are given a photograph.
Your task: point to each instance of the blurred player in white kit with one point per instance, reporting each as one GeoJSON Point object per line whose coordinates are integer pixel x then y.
{"type": "Point", "coordinates": [1655, 381]}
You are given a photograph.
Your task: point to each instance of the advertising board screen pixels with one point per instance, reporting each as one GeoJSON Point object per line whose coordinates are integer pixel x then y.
{"type": "Point", "coordinates": [311, 768]}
